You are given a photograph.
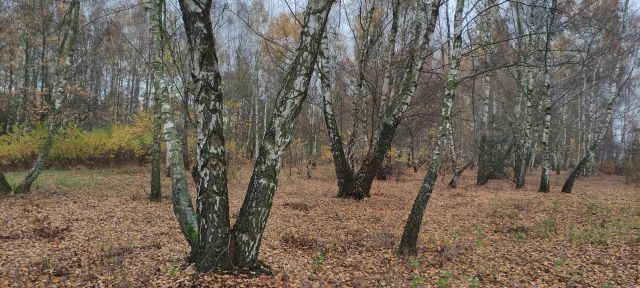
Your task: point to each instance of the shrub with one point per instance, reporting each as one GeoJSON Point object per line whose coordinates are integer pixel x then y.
{"type": "Point", "coordinates": [73, 146]}
{"type": "Point", "coordinates": [608, 168]}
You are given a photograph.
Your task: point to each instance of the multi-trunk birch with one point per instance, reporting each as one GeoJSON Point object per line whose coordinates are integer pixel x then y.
{"type": "Point", "coordinates": [215, 246]}
{"type": "Point", "coordinates": [412, 227]}
{"type": "Point", "coordinates": [252, 219]}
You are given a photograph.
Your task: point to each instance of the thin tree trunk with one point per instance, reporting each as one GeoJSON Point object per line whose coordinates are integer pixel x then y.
{"type": "Point", "coordinates": [454, 159]}
{"type": "Point", "coordinates": [344, 172]}
{"type": "Point", "coordinates": [614, 92]}
{"type": "Point", "coordinates": [66, 54]}
{"type": "Point", "coordinates": [364, 50]}
{"type": "Point", "coordinates": [484, 150]}
{"type": "Point", "coordinates": [252, 220]}
{"type": "Point", "coordinates": [389, 77]}
{"type": "Point", "coordinates": [155, 17]}
{"type": "Point", "coordinates": [527, 151]}
{"type": "Point", "coordinates": [412, 227]}
{"type": "Point", "coordinates": [592, 104]}
{"type": "Point", "coordinates": [373, 160]}
{"type": "Point", "coordinates": [546, 153]}
{"type": "Point", "coordinates": [155, 193]}
{"type": "Point", "coordinates": [182, 206]}
{"type": "Point", "coordinates": [27, 81]}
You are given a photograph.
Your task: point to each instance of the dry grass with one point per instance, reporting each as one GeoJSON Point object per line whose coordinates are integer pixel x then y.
{"type": "Point", "coordinates": [96, 227]}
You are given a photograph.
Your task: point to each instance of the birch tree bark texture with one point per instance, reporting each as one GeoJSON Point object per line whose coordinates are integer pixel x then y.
{"type": "Point", "coordinates": [252, 220]}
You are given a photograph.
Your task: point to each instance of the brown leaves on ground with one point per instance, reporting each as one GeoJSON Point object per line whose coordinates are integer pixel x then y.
{"type": "Point", "coordinates": [97, 228]}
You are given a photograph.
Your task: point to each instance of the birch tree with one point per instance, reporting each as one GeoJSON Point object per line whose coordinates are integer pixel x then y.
{"type": "Point", "coordinates": [417, 55]}
{"type": "Point", "coordinates": [344, 171]}
{"type": "Point", "coordinates": [412, 227]}
{"type": "Point", "coordinates": [546, 163]}
{"type": "Point", "coordinates": [215, 246]}
{"type": "Point", "coordinates": [614, 92]}
{"type": "Point", "coordinates": [248, 229]}
{"type": "Point", "coordinates": [364, 53]}
{"type": "Point", "coordinates": [526, 112]}
{"type": "Point", "coordinates": [59, 93]}
{"type": "Point", "coordinates": [485, 153]}
{"type": "Point", "coordinates": [155, 13]}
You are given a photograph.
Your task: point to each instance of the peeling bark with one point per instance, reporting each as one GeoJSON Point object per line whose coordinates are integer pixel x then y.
{"type": "Point", "coordinates": [209, 172]}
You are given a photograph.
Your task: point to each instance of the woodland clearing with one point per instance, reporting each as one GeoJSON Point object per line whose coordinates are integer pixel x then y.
{"type": "Point", "coordinates": [87, 227]}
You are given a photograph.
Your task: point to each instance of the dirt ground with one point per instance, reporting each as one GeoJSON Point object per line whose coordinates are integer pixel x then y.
{"type": "Point", "coordinates": [96, 228]}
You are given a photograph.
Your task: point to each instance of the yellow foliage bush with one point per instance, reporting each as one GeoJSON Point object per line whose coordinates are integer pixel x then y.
{"type": "Point", "coordinates": [73, 146]}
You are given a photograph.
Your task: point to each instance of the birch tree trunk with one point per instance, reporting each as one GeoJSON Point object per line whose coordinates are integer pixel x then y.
{"type": "Point", "coordinates": [27, 81]}
{"type": "Point", "coordinates": [595, 91]}
{"type": "Point", "coordinates": [485, 159]}
{"type": "Point", "coordinates": [453, 183]}
{"type": "Point", "coordinates": [58, 92]}
{"type": "Point", "coordinates": [412, 227]}
{"type": "Point", "coordinates": [156, 153]}
{"type": "Point", "coordinates": [614, 92]}
{"type": "Point", "coordinates": [393, 115]}
{"type": "Point", "coordinates": [256, 112]}
{"type": "Point", "coordinates": [546, 153]}
{"type": "Point", "coordinates": [526, 131]}
{"type": "Point", "coordinates": [389, 77]}
{"type": "Point", "coordinates": [186, 123]}
{"type": "Point", "coordinates": [182, 206]}
{"type": "Point", "coordinates": [210, 172]}
{"type": "Point", "coordinates": [364, 50]}
{"type": "Point", "coordinates": [252, 219]}
{"type": "Point", "coordinates": [344, 172]}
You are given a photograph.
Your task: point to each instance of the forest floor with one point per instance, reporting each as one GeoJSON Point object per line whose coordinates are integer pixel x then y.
{"type": "Point", "coordinates": [97, 228]}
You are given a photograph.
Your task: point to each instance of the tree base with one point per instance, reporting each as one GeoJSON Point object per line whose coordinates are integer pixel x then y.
{"type": "Point", "coordinates": [5, 187]}
{"type": "Point", "coordinates": [260, 269]}
{"type": "Point", "coordinates": [404, 250]}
